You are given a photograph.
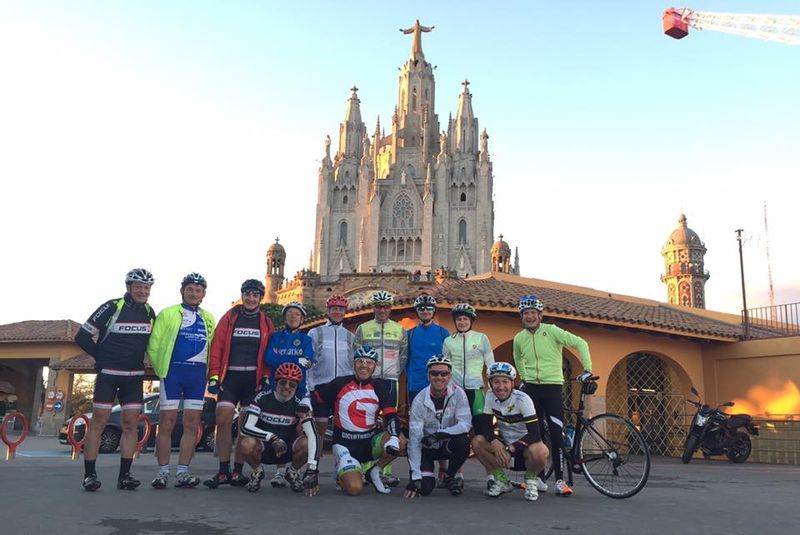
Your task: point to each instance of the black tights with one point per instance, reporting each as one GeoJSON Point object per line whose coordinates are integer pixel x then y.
{"type": "Point", "coordinates": [547, 399]}
{"type": "Point", "coordinates": [456, 449]}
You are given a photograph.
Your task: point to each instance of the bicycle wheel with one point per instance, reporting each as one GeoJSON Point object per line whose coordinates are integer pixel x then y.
{"type": "Point", "coordinates": [614, 456]}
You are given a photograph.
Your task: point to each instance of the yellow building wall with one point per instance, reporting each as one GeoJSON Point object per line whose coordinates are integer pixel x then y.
{"type": "Point", "coordinates": [752, 370]}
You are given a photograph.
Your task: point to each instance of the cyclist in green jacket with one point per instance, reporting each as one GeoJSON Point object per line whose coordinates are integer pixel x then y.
{"type": "Point", "coordinates": [538, 357]}
{"type": "Point", "coordinates": [178, 350]}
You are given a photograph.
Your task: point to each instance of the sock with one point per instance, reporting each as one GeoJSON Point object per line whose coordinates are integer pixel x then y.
{"type": "Point", "coordinates": [237, 467]}
{"type": "Point", "coordinates": [124, 466]}
{"type": "Point", "coordinates": [163, 469]}
{"type": "Point", "coordinates": [88, 468]}
{"type": "Point", "coordinates": [499, 474]}
{"type": "Point", "coordinates": [387, 470]}
{"type": "Point", "coordinates": [225, 467]}
{"type": "Point", "coordinates": [530, 476]}
{"type": "Point", "coordinates": [182, 468]}
{"type": "Point", "coordinates": [490, 477]}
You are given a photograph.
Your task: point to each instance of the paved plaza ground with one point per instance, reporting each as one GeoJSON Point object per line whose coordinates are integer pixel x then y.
{"type": "Point", "coordinates": [40, 493]}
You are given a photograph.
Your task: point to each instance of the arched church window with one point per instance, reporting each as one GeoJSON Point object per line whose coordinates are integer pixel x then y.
{"type": "Point", "coordinates": [414, 99]}
{"type": "Point", "coordinates": [463, 197]}
{"type": "Point", "coordinates": [343, 234]}
{"type": "Point", "coordinates": [426, 94]}
{"type": "Point", "coordinates": [403, 212]}
{"type": "Point", "coordinates": [344, 200]}
{"type": "Point", "coordinates": [462, 232]}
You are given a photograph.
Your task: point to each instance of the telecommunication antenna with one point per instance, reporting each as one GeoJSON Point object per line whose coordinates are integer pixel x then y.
{"type": "Point", "coordinates": [769, 263]}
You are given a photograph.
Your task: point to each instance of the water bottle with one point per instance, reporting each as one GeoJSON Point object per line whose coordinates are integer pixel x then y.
{"type": "Point", "coordinates": [569, 435]}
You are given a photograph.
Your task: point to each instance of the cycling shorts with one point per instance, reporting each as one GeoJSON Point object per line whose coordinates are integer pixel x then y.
{"type": "Point", "coordinates": [187, 381]}
{"type": "Point", "coordinates": [125, 385]}
{"type": "Point", "coordinates": [391, 387]}
{"type": "Point", "coordinates": [361, 453]}
{"type": "Point", "coordinates": [238, 387]}
{"type": "Point", "coordinates": [268, 454]}
{"type": "Point", "coordinates": [476, 400]}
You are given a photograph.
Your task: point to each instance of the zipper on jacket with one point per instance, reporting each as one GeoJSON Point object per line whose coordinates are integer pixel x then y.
{"type": "Point", "coordinates": [464, 375]}
{"type": "Point", "coordinates": [335, 352]}
{"type": "Point", "coordinates": [383, 353]}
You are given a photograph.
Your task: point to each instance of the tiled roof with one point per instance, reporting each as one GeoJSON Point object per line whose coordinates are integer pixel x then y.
{"type": "Point", "coordinates": [39, 331]}
{"type": "Point", "coordinates": [501, 292]}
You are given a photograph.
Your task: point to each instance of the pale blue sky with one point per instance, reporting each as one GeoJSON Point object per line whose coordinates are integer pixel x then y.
{"type": "Point", "coordinates": [184, 136]}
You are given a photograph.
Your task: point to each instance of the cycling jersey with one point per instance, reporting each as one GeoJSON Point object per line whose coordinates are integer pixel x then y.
{"type": "Point", "coordinates": [453, 417]}
{"type": "Point", "coordinates": [516, 417]}
{"type": "Point", "coordinates": [468, 352]}
{"type": "Point", "coordinates": [389, 340]}
{"type": "Point", "coordinates": [538, 354]}
{"type": "Point", "coordinates": [122, 327]}
{"type": "Point", "coordinates": [424, 341]}
{"type": "Point", "coordinates": [221, 345]}
{"type": "Point", "coordinates": [357, 405]}
{"type": "Point", "coordinates": [290, 346]}
{"type": "Point", "coordinates": [192, 348]}
{"type": "Point", "coordinates": [268, 418]}
{"type": "Point", "coordinates": [333, 348]}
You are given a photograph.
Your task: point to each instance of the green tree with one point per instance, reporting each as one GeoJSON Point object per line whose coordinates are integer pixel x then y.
{"type": "Point", "coordinates": [82, 393]}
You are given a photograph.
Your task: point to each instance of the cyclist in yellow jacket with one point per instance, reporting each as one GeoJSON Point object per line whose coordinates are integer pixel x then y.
{"type": "Point", "coordinates": [538, 356]}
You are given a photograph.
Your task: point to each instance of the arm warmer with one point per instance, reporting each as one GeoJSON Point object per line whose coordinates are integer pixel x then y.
{"type": "Point", "coordinates": [251, 428]}
{"type": "Point", "coordinates": [313, 441]}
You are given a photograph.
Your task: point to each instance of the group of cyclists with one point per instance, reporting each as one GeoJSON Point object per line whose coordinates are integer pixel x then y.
{"type": "Point", "coordinates": [288, 383]}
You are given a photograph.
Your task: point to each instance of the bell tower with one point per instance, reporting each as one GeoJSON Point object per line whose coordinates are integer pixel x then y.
{"type": "Point", "coordinates": [684, 270]}
{"type": "Point", "coordinates": [276, 260]}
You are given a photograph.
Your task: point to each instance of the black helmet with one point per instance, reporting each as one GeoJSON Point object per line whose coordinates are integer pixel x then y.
{"type": "Point", "coordinates": [194, 278]}
{"type": "Point", "coordinates": [251, 285]}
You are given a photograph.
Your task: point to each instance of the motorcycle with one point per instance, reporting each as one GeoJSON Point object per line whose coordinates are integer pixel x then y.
{"type": "Point", "coordinates": [718, 433]}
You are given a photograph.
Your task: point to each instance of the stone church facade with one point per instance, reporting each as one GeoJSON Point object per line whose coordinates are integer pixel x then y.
{"type": "Point", "coordinates": [415, 199]}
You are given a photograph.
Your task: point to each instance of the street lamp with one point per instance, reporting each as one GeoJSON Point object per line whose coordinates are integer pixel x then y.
{"type": "Point", "coordinates": [744, 294]}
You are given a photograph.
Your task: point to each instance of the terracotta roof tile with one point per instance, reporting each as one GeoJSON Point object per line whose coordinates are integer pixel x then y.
{"type": "Point", "coordinates": [500, 291]}
{"type": "Point", "coordinates": [39, 331]}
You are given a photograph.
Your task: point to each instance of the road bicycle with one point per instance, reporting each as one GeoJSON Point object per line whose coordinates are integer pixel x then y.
{"type": "Point", "coordinates": [607, 449]}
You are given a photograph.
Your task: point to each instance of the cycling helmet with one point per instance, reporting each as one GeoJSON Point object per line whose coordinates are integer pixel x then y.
{"type": "Point", "coordinates": [464, 309]}
{"type": "Point", "coordinates": [194, 278]}
{"type": "Point", "coordinates": [295, 304]}
{"type": "Point", "coordinates": [336, 300]}
{"type": "Point", "coordinates": [502, 369]}
{"type": "Point", "coordinates": [527, 302]}
{"type": "Point", "coordinates": [289, 370]}
{"type": "Point", "coordinates": [439, 359]}
{"type": "Point", "coordinates": [424, 301]}
{"type": "Point", "coordinates": [139, 275]}
{"type": "Point", "coordinates": [366, 352]}
{"type": "Point", "coordinates": [253, 285]}
{"type": "Point", "coordinates": [382, 297]}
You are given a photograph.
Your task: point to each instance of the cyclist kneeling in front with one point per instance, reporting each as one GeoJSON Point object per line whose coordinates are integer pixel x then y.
{"type": "Point", "coordinates": [271, 428]}
{"type": "Point", "coordinates": [519, 446]}
{"type": "Point", "coordinates": [439, 422]}
{"type": "Point", "coordinates": [357, 437]}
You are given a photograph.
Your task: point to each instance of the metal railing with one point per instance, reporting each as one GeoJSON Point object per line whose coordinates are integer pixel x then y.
{"type": "Point", "coordinates": [773, 321]}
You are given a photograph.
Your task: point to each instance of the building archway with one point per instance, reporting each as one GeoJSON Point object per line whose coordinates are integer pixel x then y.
{"type": "Point", "coordinates": [650, 389]}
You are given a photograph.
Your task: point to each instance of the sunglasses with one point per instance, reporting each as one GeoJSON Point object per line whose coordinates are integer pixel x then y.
{"type": "Point", "coordinates": [426, 309]}
{"type": "Point", "coordinates": [251, 293]}
{"type": "Point", "coordinates": [434, 373]}
{"type": "Point", "coordinates": [287, 382]}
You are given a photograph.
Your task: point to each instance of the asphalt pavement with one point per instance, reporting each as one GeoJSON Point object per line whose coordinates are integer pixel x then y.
{"type": "Point", "coordinates": [40, 492]}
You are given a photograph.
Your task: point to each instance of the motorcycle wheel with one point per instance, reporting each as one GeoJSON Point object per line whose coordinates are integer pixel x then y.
{"type": "Point", "coordinates": [689, 448]}
{"type": "Point", "coordinates": [740, 449]}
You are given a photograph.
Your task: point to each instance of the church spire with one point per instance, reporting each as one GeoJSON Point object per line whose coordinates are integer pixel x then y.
{"type": "Point", "coordinates": [352, 130]}
{"type": "Point", "coordinates": [416, 48]}
{"type": "Point", "coordinates": [465, 124]}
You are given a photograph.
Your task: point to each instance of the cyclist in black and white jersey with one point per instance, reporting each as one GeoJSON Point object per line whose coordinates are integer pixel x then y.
{"type": "Point", "coordinates": [519, 446]}
{"type": "Point", "coordinates": [116, 335]}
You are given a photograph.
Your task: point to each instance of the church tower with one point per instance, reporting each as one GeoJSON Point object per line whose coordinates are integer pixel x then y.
{"type": "Point", "coordinates": [276, 260]}
{"type": "Point", "coordinates": [685, 274]}
{"type": "Point", "coordinates": [416, 199]}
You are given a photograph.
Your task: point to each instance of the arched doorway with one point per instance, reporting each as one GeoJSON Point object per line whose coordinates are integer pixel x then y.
{"type": "Point", "coordinates": [650, 389]}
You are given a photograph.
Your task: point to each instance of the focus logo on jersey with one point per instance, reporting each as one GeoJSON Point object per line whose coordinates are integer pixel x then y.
{"type": "Point", "coordinates": [100, 312]}
{"type": "Point", "coordinates": [131, 328]}
{"type": "Point", "coordinates": [246, 332]}
{"type": "Point", "coordinates": [277, 419]}
{"type": "Point", "coordinates": [357, 410]}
